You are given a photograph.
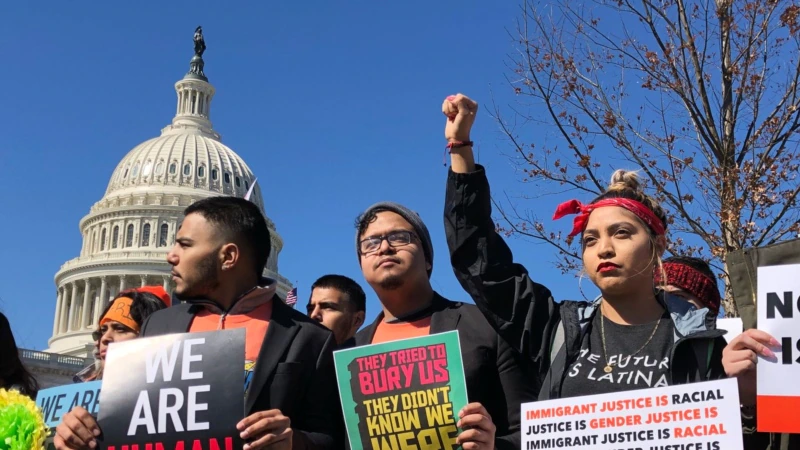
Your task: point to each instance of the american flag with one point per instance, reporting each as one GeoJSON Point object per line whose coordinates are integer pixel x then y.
{"type": "Point", "coordinates": [291, 297]}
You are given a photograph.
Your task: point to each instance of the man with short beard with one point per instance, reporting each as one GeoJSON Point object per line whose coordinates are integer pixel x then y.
{"type": "Point", "coordinates": [396, 256]}
{"type": "Point", "coordinates": [219, 254]}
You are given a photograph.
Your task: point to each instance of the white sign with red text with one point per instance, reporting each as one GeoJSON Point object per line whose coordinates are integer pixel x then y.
{"type": "Point", "coordinates": [699, 416]}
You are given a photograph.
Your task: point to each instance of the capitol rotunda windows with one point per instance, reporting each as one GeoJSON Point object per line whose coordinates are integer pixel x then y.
{"type": "Point", "coordinates": [146, 235]}
{"type": "Point", "coordinates": [129, 236]}
{"type": "Point", "coordinates": [114, 237]}
{"type": "Point", "coordinates": [162, 235]}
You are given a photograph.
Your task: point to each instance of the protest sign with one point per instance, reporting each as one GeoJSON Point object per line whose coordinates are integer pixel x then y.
{"type": "Point", "coordinates": [779, 315]}
{"type": "Point", "coordinates": [57, 401]}
{"type": "Point", "coordinates": [698, 416]}
{"type": "Point", "coordinates": [179, 391]}
{"type": "Point", "coordinates": [733, 326]}
{"type": "Point", "coordinates": [403, 394]}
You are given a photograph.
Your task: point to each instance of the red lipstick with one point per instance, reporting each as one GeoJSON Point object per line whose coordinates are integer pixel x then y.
{"type": "Point", "coordinates": [607, 267]}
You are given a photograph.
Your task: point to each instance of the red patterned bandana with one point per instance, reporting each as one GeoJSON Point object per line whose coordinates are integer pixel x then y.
{"type": "Point", "coordinates": [579, 224]}
{"type": "Point", "coordinates": [693, 281]}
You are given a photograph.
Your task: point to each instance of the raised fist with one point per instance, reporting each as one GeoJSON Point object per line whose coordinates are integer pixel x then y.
{"type": "Point", "coordinates": [460, 111]}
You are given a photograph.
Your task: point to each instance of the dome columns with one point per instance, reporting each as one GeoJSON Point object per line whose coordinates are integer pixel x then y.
{"type": "Point", "coordinates": [59, 303]}
{"type": "Point", "coordinates": [194, 106]}
{"type": "Point", "coordinates": [80, 302]}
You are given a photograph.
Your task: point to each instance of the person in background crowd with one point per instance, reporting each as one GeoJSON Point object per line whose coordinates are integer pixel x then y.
{"type": "Point", "coordinates": [219, 255]}
{"type": "Point", "coordinates": [339, 303]}
{"type": "Point", "coordinates": [122, 321]}
{"type": "Point", "coordinates": [691, 279]}
{"type": "Point", "coordinates": [625, 340]}
{"type": "Point", "coordinates": [396, 256]}
{"type": "Point", "coordinates": [13, 374]}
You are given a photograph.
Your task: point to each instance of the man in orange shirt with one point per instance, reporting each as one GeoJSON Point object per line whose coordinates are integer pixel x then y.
{"type": "Point", "coordinates": [396, 256]}
{"type": "Point", "coordinates": [218, 258]}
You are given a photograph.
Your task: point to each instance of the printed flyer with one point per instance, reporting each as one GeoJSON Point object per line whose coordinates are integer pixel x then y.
{"type": "Point", "coordinates": [403, 394]}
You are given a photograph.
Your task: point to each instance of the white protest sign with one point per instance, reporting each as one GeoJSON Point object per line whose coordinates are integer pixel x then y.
{"type": "Point", "coordinates": [733, 325]}
{"type": "Point", "coordinates": [779, 315]}
{"type": "Point", "coordinates": [698, 416]}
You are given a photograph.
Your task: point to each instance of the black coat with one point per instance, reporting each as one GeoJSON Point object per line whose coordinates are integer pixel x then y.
{"type": "Point", "coordinates": [294, 372]}
{"type": "Point", "coordinates": [495, 374]}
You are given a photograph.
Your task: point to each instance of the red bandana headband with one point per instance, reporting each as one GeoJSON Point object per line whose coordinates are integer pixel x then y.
{"type": "Point", "coordinates": [579, 224]}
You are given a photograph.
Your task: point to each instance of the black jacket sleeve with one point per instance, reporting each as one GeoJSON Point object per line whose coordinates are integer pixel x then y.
{"type": "Point", "coordinates": [522, 311]}
{"type": "Point", "coordinates": [321, 426]}
{"type": "Point", "coordinates": [517, 389]}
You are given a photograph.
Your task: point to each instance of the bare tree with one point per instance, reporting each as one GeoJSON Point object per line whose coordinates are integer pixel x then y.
{"type": "Point", "coordinates": [701, 96]}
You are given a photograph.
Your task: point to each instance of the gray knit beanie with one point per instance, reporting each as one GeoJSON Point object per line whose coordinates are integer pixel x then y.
{"type": "Point", "coordinates": [411, 217]}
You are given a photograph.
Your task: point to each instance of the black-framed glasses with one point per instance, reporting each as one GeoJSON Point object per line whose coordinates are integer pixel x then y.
{"type": "Point", "coordinates": [397, 238]}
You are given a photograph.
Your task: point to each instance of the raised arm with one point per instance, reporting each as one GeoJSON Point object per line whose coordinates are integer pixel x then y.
{"type": "Point", "coordinates": [522, 311]}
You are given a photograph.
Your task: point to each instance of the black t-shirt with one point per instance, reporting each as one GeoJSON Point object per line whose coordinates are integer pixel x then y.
{"type": "Point", "coordinates": [647, 369]}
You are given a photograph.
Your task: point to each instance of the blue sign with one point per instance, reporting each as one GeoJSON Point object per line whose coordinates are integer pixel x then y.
{"type": "Point", "coordinates": [57, 401]}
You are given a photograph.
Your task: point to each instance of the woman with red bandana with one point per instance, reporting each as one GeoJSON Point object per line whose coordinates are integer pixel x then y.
{"type": "Point", "coordinates": [121, 321]}
{"type": "Point", "coordinates": [633, 336]}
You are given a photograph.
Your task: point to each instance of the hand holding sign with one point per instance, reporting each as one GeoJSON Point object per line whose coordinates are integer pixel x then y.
{"type": "Point", "coordinates": [739, 359]}
{"type": "Point", "coordinates": [77, 431]}
{"type": "Point", "coordinates": [266, 429]}
{"type": "Point", "coordinates": [460, 111]}
{"type": "Point", "coordinates": [478, 428]}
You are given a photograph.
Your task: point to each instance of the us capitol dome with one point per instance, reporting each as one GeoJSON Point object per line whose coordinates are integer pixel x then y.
{"type": "Point", "coordinates": [128, 232]}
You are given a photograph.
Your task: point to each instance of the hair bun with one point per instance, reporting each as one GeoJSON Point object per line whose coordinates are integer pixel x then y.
{"type": "Point", "coordinates": [623, 180]}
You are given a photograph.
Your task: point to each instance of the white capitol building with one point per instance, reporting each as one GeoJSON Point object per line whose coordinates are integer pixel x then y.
{"type": "Point", "coordinates": [128, 232]}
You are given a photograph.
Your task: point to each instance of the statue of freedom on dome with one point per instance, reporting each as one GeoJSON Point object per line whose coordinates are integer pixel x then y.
{"type": "Point", "coordinates": [197, 63]}
{"type": "Point", "coordinates": [199, 42]}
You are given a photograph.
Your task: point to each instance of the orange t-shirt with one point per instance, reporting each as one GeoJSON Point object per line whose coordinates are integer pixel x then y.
{"type": "Point", "coordinates": [254, 322]}
{"type": "Point", "coordinates": [387, 332]}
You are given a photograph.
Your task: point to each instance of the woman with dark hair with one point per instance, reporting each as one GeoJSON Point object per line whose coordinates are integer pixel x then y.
{"type": "Point", "coordinates": [633, 336]}
{"type": "Point", "coordinates": [13, 374]}
{"type": "Point", "coordinates": [121, 321]}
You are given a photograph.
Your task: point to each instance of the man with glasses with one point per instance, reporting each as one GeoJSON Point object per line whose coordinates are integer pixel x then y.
{"type": "Point", "coordinates": [396, 256]}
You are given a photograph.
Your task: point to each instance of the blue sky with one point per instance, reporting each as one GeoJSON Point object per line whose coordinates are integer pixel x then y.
{"type": "Point", "coordinates": [334, 105]}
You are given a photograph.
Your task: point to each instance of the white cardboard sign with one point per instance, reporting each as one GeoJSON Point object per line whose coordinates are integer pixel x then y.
{"type": "Point", "coordinates": [698, 416]}
{"type": "Point", "coordinates": [779, 315]}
